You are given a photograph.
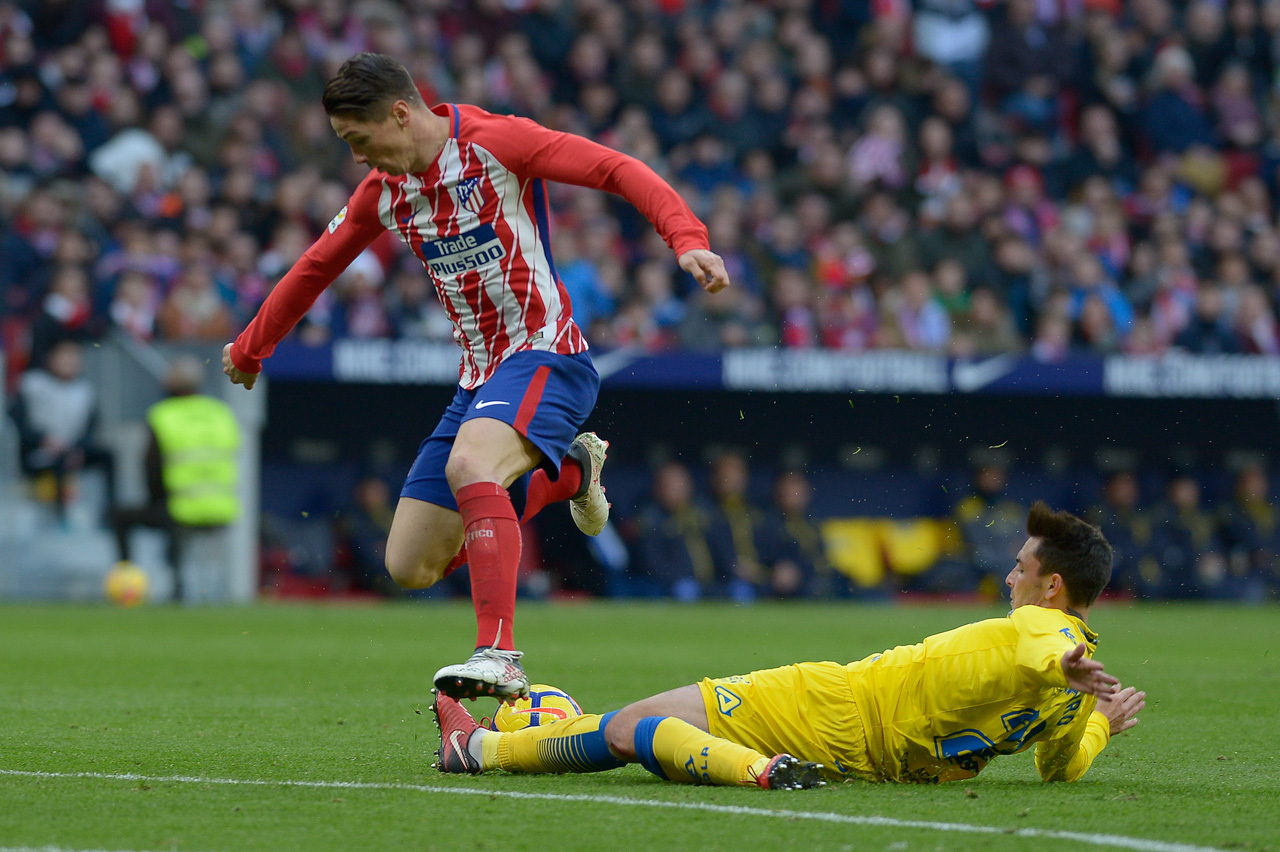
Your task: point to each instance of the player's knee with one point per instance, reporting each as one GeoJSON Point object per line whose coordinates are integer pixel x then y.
{"type": "Point", "coordinates": [411, 570]}
{"type": "Point", "coordinates": [465, 468]}
{"type": "Point", "coordinates": [620, 734]}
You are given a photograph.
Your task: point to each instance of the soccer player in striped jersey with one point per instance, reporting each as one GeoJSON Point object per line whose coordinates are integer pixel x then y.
{"type": "Point", "coordinates": [935, 711]}
{"type": "Point", "coordinates": [464, 189]}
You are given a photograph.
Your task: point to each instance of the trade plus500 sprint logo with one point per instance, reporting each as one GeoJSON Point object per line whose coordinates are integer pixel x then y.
{"type": "Point", "coordinates": [455, 255]}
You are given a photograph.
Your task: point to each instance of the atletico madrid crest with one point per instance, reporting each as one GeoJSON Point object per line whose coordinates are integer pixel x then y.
{"type": "Point", "coordinates": [469, 196]}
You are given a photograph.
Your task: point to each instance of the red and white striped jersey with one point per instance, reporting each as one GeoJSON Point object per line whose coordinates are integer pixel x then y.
{"type": "Point", "coordinates": [477, 219]}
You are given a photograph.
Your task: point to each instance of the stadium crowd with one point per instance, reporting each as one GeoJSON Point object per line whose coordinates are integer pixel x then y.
{"type": "Point", "coordinates": [946, 175]}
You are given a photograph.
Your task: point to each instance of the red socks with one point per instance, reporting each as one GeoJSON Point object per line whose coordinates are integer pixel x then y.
{"type": "Point", "coordinates": [491, 544]}
{"type": "Point", "coordinates": [543, 491]}
{"type": "Point", "coordinates": [492, 547]}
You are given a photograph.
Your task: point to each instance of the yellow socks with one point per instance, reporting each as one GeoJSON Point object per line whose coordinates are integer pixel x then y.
{"type": "Point", "coordinates": [673, 749]}
{"type": "Point", "coordinates": [668, 747]}
{"type": "Point", "coordinates": [571, 745]}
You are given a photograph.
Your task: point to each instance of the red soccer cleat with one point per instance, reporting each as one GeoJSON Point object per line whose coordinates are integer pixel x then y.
{"type": "Point", "coordinates": [785, 772]}
{"type": "Point", "coordinates": [456, 728]}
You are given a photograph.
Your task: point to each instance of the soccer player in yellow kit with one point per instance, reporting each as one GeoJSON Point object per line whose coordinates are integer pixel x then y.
{"type": "Point", "coordinates": [931, 712]}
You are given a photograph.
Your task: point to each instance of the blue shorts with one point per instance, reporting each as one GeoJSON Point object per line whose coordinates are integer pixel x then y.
{"type": "Point", "coordinates": [544, 396]}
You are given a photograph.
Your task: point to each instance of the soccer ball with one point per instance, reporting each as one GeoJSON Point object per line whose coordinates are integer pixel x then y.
{"type": "Point", "coordinates": [126, 584]}
{"type": "Point", "coordinates": [545, 705]}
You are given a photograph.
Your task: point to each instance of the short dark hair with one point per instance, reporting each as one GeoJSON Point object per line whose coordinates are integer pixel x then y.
{"type": "Point", "coordinates": [366, 86]}
{"type": "Point", "coordinates": [1072, 548]}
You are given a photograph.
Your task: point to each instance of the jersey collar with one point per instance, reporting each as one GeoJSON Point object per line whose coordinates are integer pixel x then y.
{"type": "Point", "coordinates": [1089, 635]}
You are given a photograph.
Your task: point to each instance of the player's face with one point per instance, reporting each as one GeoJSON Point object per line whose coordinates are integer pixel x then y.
{"type": "Point", "coordinates": [378, 144]}
{"type": "Point", "coordinates": [1026, 586]}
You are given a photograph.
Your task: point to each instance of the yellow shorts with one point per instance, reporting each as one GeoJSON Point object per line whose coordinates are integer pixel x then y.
{"type": "Point", "coordinates": [806, 710]}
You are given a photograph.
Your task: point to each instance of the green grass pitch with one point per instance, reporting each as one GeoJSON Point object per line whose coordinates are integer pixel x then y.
{"type": "Point", "coordinates": [136, 730]}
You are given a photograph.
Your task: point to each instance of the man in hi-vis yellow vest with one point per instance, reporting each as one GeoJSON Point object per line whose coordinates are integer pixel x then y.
{"type": "Point", "coordinates": [192, 470]}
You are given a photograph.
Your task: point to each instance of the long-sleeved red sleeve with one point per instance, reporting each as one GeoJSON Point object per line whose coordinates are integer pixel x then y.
{"type": "Point", "coordinates": [350, 232]}
{"type": "Point", "coordinates": [527, 148]}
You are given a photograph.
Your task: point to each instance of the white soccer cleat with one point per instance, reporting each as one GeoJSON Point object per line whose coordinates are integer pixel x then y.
{"type": "Point", "coordinates": [489, 672]}
{"type": "Point", "coordinates": [589, 507]}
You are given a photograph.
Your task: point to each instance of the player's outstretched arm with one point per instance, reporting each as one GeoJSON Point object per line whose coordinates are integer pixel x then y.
{"type": "Point", "coordinates": [1087, 675]}
{"type": "Point", "coordinates": [706, 267]}
{"type": "Point", "coordinates": [349, 233]}
{"type": "Point", "coordinates": [238, 377]}
{"type": "Point", "coordinates": [1122, 708]}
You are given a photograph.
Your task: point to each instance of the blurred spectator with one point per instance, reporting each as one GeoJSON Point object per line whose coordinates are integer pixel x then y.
{"type": "Point", "coordinates": [889, 237]}
{"type": "Point", "coordinates": [1256, 325]}
{"type": "Point", "coordinates": [1251, 534]}
{"type": "Point", "coordinates": [1126, 526]}
{"type": "Point", "coordinates": [992, 527]}
{"type": "Point", "coordinates": [133, 307]}
{"type": "Point", "coordinates": [952, 33]}
{"type": "Point", "coordinates": [192, 467]}
{"type": "Point", "coordinates": [1101, 153]}
{"type": "Point", "coordinates": [54, 410]}
{"type": "Point", "coordinates": [938, 176]}
{"type": "Point", "coordinates": [985, 328]}
{"type": "Point", "coordinates": [1053, 338]}
{"type": "Point", "coordinates": [729, 319]}
{"type": "Point", "coordinates": [1189, 560]}
{"type": "Point", "coordinates": [683, 551]}
{"type": "Point", "coordinates": [795, 553]}
{"type": "Point", "coordinates": [1207, 42]}
{"type": "Point", "coordinates": [413, 310]}
{"type": "Point", "coordinates": [66, 313]}
{"type": "Point", "coordinates": [362, 534]}
{"type": "Point", "coordinates": [922, 323]}
{"type": "Point", "coordinates": [1209, 329]}
{"type": "Point", "coordinates": [675, 116]}
{"type": "Point", "coordinates": [879, 156]}
{"type": "Point", "coordinates": [795, 306]}
{"type": "Point", "coordinates": [1027, 64]}
{"type": "Point", "coordinates": [1027, 211]}
{"type": "Point", "coordinates": [194, 310]}
{"type": "Point", "coordinates": [582, 279]}
{"type": "Point", "coordinates": [27, 247]}
{"type": "Point", "coordinates": [730, 481]}
{"type": "Point", "coordinates": [957, 238]}
{"type": "Point", "coordinates": [1174, 119]}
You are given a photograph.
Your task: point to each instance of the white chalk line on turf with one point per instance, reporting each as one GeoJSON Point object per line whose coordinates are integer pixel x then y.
{"type": "Point", "coordinates": [1111, 840]}
{"type": "Point", "coordinates": [50, 849]}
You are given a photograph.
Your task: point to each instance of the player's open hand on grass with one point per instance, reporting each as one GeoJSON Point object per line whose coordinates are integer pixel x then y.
{"type": "Point", "coordinates": [1122, 708]}
{"type": "Point", "coordinates": [1087, 675]}
{"type": "Point", "coordinates": [238, 377]}
{"type": "Point", "coordinates": [706, 267]}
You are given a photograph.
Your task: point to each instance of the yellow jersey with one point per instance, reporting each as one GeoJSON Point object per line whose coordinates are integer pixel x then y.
{"type": "Point", "coordinates": [940, 710]}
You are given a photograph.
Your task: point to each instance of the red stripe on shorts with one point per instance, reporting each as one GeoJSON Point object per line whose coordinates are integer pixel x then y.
{"type": "Point", "coordinates": [532, 396]}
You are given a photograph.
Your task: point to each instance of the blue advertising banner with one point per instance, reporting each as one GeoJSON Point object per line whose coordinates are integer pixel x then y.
{"type": "Point", "coordinates": [411, 362]}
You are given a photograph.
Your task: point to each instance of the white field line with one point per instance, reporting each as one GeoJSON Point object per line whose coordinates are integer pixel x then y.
{"type": "Point", "coordinates": [1117, 841]}
{"type": "Point", "coordinates": [49, 849]}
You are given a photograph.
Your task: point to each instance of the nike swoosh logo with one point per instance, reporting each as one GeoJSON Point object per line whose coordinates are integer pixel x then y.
{"type": "Point", "coordinates": [972, 376]}
{"type": "Point", "coordinates": [492, 402]}
{"type": "Point", "coordinates": [460, 749]}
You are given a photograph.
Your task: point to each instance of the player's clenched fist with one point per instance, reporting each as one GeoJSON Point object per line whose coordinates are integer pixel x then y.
{"type": "Point", "coordinates": [238, 377]}
{"type": "Point", "coordinates": [706, 267]}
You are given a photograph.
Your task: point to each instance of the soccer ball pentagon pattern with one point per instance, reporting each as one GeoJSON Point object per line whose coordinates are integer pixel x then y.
{"type": "Point", "coordinates": [126, 584]}
{"type": "Point", "coordinates": [545, 705]}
